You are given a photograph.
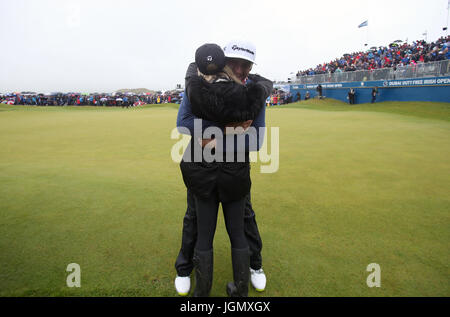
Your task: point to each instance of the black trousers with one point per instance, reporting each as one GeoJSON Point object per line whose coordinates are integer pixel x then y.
{"type": "Point", "coordinates": [207, 210]}
{"type": "Point", "coordinates": [352, 99]}
{"type": "Point", "coordinates": [184, 264]}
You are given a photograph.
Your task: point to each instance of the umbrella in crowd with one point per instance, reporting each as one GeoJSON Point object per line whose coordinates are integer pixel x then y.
{"type": "Point", "coordinates": [82, 99]}
{"type": "Point", "coordinates": [139, 103]}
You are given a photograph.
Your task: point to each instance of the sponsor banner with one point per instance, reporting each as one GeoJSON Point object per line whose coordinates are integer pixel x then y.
{"type": "Point", "coordinates": [414, 82]}
{"type": "Point", "coordinates": [417, 82]}
{"type": "Point", "coordinates": [286, 88]}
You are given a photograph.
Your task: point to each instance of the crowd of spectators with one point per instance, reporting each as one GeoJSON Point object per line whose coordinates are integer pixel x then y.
{"type": "Point", "coordinates": [395, 55]}
{"type": "Point", "coordinates": [77, 99]}
{"type": "Point", "coordinates": [279, 97]}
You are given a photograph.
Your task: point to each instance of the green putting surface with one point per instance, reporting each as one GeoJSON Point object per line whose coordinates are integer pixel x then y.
{"type": "Point", "coordinates": [355, 185]}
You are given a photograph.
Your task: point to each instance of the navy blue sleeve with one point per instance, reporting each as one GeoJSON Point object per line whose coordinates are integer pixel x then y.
{"type": "Point", "coordinates": [260, 124]}
{"type": "Point", "coordinates": [185, 118]}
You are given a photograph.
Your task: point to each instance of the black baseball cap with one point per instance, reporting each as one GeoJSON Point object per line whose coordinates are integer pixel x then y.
{"type": "Point", "coordinates": [210, 58]}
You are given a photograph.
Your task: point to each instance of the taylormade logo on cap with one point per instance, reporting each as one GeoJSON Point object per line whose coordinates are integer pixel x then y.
{"type": "Point", "coordinates": [235, 47]}
{"type": "Point", "coordinates": [240, 49]}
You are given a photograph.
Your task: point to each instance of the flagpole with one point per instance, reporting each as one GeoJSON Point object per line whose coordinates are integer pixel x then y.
{"type": "Point", "coordinates": [366, 24]}
{"type": "Point", "coordinates": [367, 35]}
{"type": "Point", "coordinates": [448, 11]}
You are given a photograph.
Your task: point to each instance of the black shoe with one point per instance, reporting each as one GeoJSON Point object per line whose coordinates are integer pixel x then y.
{"type": "Point", "coordinates": [203, 264]}
{"type": "Point", "coordinates": [240, 259]}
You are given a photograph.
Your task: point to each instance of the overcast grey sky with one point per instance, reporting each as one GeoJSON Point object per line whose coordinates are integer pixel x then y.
{"type": "Point", "coordinates": [102, 46]}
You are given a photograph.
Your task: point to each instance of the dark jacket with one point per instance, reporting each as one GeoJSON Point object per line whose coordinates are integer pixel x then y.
{"type": "Point", "coordinates": [224, 102]}
{"type": "Point", "coordinates": [221, 102]}
{"type": "Point", "coordinates": [228, 180]}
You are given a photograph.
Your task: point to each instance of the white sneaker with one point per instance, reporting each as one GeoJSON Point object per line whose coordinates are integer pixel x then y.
{"type": "Point", "coordinates": [183, 285]}
{"type": "Point", "coordinates": [258, 279]}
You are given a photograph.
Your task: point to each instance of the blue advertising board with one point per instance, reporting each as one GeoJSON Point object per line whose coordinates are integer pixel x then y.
{"type": "Point", "coordinates": [417, 89]}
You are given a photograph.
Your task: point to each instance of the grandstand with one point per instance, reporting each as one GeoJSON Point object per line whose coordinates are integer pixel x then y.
{"type": "Point", "coordinates": [394, 55]}
{"type": "Point", "coordinates": [418, 71]}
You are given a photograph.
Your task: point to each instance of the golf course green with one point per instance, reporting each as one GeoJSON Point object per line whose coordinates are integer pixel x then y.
{"type": "Point", "coordinates": [355, 185]}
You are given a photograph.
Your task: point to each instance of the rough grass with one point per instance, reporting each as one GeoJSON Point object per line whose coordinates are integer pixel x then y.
{"type": "Point", "coordinates": [356, 185]}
